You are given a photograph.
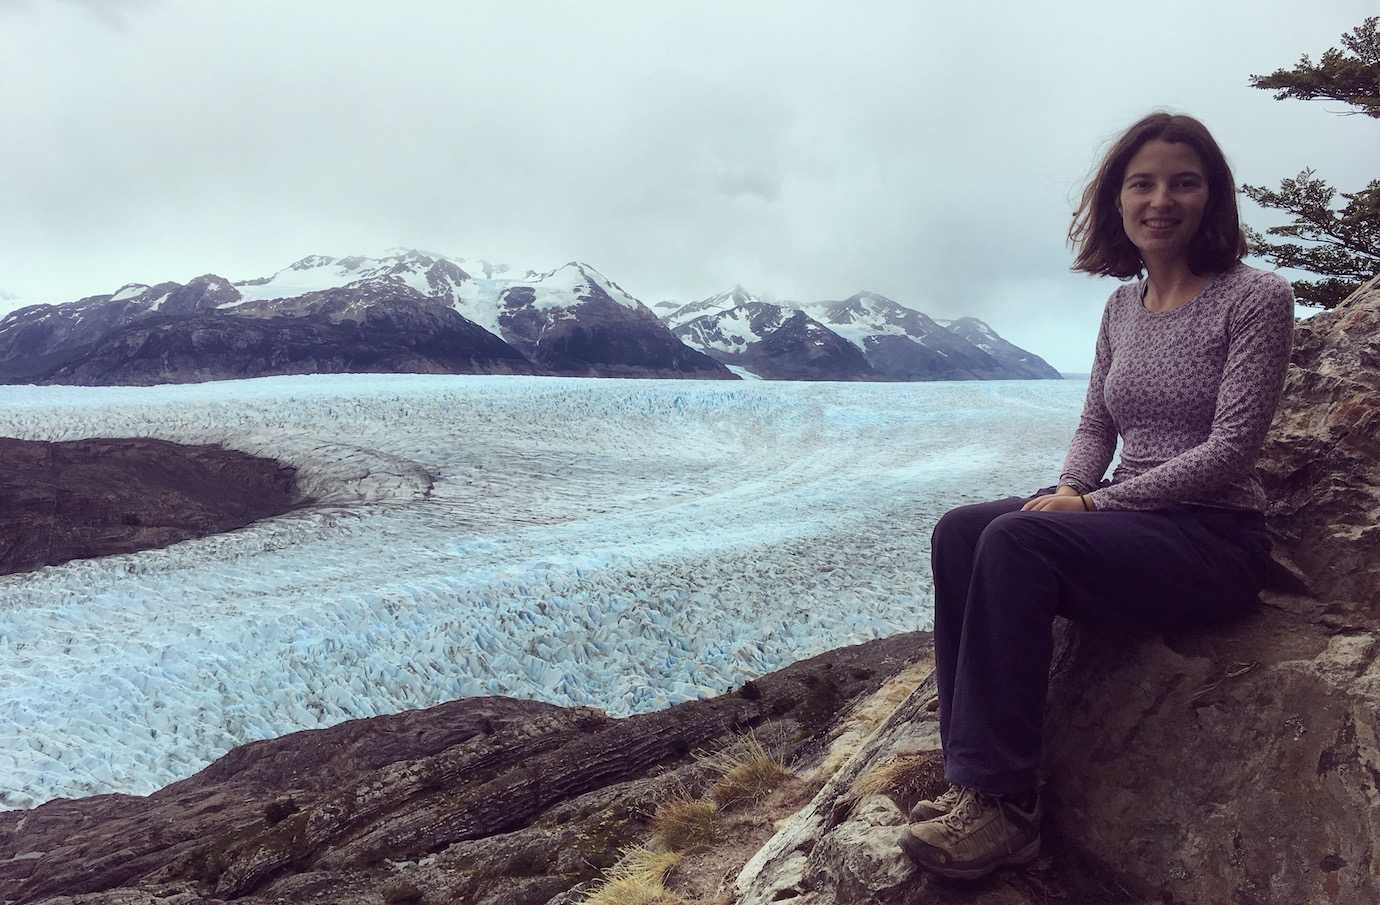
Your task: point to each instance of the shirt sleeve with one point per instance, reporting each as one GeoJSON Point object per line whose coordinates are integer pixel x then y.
{"type": "Point", "coordinates": [1094, 441]}
{"type": "Point", "coordinates": [1260, 340]}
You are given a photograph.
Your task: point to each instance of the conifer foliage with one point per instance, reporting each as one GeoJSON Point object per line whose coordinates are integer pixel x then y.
{"type": "Point", "coordinates": [1344, 244]}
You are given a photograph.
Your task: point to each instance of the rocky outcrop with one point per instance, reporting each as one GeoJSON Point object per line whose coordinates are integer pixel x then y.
{"type": "Point", "coordinates": [1235, 764]}
{"type": "Point", "coordinates": [1243, 764]}
{"type": "Point", "coordinates": [482, 800]}
{"type": "Point", "coordinates": [82, 498]}
{"type": "Point", "coordinates": [405, 336]}
{"type": "Point", "coordinates": [1321, 461]}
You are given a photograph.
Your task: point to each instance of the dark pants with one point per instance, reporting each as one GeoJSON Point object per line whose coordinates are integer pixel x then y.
{"type": "Point", "coordinates": [1000, 577]}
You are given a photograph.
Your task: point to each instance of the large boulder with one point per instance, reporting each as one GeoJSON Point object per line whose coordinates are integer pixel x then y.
{"type": "Point", "coordinates": [1321, 461]}
{"type": "Point", "coordinates": [1239, 764]}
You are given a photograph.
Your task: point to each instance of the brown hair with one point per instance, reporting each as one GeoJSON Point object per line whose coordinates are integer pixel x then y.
{"type": "Point", "coordinates": [1104, 248]}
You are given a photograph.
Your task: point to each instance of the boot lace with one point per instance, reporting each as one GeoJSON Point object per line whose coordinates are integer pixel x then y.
{"type": "Point", "coordinates": [971, 804]}
{"type": "Point", "coordinates": [950, 797]}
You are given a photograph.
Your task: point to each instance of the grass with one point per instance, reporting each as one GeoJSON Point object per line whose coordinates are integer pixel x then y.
{"type": "Point", "coordinates": [747, 772]}
{"type": "Point", "coordinates": [906, 778]}
{"type": "Point", "coordinates": [639, 878]}
{"type": "Point", "coordinates": [683, 822]}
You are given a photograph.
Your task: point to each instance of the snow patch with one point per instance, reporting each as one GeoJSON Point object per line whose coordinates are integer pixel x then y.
{"type": "Point", "coordinates": [129, 291]}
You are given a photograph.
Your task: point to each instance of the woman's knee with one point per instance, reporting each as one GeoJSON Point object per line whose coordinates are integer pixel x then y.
{"type": "Point", "coordinates": [1010, 526]}
{"type": "Point", "coordinates": [964, 524]}
{"type": "Point", "coordinates": [955, 523]}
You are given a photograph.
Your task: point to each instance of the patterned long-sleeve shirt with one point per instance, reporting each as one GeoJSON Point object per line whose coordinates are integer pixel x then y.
{"type": "Point", "coordinates": [1191, 392]}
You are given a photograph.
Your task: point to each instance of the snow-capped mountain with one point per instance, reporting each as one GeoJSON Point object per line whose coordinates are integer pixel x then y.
{"type": "Point", "coordinates": [37, 339]}
{"type": "Point", "coordinates": [570, 320]}
{"type": "Point", "coordinates": [429, 275]}
{"type": "Point", "coordinates": [405, 311]}
{"type": "Point", "coordinates": [897, 343]}
{"type": "Point", "coordinates": [416, 311]}
{"type": "Point", "coordinates": [903, 344]}
{"type": "Point", "coordinates": [733, 298]}
{"type": "Point", "coordinates": [574, 320]}
{"type": "Point", "coordinates": [772, 341]}
{"type": "Point", "coordinates": [1012, 357]}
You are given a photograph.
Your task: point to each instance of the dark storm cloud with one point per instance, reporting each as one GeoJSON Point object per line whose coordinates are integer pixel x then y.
{"type": "Point", "coordinates": [803, 150]}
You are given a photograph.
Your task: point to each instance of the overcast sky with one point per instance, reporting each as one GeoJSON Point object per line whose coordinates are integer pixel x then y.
{"type": "Point", "coordinates": [803, 150]}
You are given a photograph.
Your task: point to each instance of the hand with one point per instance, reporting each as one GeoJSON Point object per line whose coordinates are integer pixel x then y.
{"type": "Point", "coordinates": [1055, 502]}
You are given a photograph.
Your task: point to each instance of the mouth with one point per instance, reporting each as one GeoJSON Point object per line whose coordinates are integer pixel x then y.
{"type": "Point", "coordinates": [1160, 224]}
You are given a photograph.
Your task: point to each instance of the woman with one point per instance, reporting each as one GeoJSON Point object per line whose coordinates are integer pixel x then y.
{"type": "Point", "coordinates": [1189, 367]}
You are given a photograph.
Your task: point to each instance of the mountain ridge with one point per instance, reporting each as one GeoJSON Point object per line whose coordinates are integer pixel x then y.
{"type": "Point", "coordinates": [571, 320]}
{"type": "Point", "coordinates": [895, 342]}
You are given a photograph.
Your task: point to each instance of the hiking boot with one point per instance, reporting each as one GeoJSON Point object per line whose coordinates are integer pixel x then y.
{"type": "Point", "coordinates": [930, 808]}
{"type": "Point", "coordinates": [980, 834]}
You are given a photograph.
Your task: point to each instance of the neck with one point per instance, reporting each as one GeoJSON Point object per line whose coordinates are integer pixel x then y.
{"type": "Point", "coordinates": [1169, 275]}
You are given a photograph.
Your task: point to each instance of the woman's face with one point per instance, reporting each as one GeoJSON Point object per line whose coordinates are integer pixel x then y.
{"type": "Point", "coordinates": [1163, 195]}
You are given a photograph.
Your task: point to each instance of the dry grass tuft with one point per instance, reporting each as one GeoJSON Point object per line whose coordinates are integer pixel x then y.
{"type": "Point", "coordinates": [682, 822]}
{"type": "Point", "coordinates": [855, 728]}
{"type": "Point", "coordinates": [747, 772]}
{"type": "Point", "coordinates": [638, 879]}
{"type": "Point", "coordinates": [906, 779]}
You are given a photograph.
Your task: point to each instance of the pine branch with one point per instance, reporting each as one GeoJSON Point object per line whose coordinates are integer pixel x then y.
{"type": "Point", "coordinates": [1309, 200]}
{"type": "Point", "coordinates": [1352, 79]}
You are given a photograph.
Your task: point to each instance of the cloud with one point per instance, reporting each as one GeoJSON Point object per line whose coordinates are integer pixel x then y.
{"type": "Point", "coordinates": [114, 13]}
{"type": "Point", "coordinates": [932, 154]}
{"type": "Point", "coordinates": [749, 182]}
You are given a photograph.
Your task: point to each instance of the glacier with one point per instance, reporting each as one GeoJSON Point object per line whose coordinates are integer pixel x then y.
{"type": "Point", "coordinates": [623, 544]}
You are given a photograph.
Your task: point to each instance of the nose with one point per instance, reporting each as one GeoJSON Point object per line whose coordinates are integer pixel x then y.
{"type": "Point", "coordinates": [1161, 197]}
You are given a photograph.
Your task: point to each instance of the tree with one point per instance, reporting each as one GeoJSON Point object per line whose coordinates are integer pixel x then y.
{"type": "Point", "coordinates": [1346, 243]}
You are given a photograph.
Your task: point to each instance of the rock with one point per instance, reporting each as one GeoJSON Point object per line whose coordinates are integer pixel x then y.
{"type": "Point", "coordinates": [1231, 765]}
{"type": "Point", "coordinates": [861, 857]}
{"type": "Point", "coordinates": [841, 850]}
{"type": "Point", "coordinates": [1241, 763]}
{"type": "Point", "coordinates": [1234, 764]}
{"type": "Point", "coordinates": [83, 498]}
{"type": "Point", "coordinates": [1321, 461]}
{"type": "Point", "coordinates": [484, 800]}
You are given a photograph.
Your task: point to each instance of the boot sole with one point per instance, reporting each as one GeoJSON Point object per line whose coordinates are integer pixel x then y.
{"type": "Point", "coordinates": [917, 851]}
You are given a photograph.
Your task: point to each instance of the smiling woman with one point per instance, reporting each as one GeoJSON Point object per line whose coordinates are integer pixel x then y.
{"type": "Point", "coordinates": [1188, 370]}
